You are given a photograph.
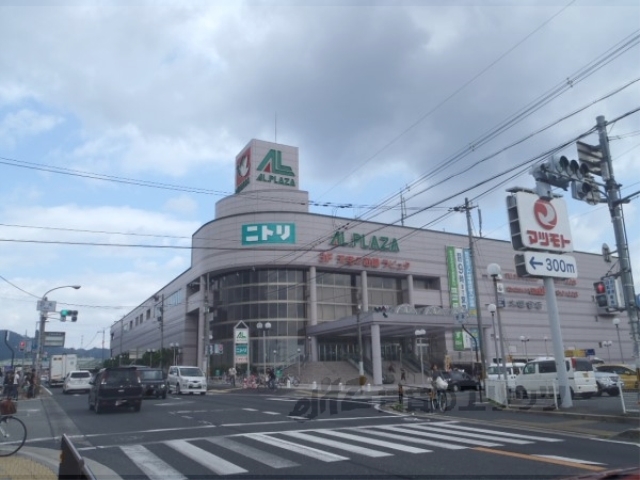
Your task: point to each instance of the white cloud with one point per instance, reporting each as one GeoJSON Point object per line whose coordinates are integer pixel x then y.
{"type": "Point", "coordinates": [25, 123]}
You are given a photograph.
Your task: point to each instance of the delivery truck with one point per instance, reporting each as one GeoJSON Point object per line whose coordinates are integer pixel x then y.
{"type": "Point", "coordinates": [59, 366]}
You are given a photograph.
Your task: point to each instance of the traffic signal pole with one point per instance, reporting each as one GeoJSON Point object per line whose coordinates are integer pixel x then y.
{"type": "Point", "coordinates": [615, 209]}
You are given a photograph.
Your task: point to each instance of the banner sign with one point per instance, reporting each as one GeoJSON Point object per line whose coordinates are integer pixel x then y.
{"type": "Point", "coordinates": [462, 293]}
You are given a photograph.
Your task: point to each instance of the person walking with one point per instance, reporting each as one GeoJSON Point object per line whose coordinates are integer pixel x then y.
{"type": "Point", "coordinates": [232, 375]}
{"type": "Point", "coordinates": [403, 375]}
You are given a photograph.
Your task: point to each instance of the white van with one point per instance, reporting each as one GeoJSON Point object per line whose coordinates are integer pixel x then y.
{"type": "Point", "coordinates": [185, 379]}
{"type": "Point", "coordinates": [513, 370]}
{"type": "Point", "coordinates": [539, 376]}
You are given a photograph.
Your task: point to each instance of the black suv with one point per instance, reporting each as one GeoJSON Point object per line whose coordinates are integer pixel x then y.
{"type": "Point", "coordinates": [153, 381]}
{"type": "Point", "coordinates": [116, 387]}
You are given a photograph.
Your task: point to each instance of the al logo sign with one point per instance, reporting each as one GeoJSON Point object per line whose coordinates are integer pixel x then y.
{"type": "Point", "coordinates": [243, 169]}
{"type": "Point", "coordinates": [273, 171]}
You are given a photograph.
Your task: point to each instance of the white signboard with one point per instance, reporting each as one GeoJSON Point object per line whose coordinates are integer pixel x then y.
{"type": "Point", "coordinates": [542, 264]}
{"type": "Point", "coordinates": [241, 344]}
{"type": "Point", "coordinates": [543, 224]}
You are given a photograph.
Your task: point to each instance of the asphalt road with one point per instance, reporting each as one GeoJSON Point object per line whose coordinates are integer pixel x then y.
{"type": "Point", "coordinates": [246, 434]}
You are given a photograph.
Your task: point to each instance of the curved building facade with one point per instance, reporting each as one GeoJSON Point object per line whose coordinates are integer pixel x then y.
{"type": "Point", "coordinates": [323, 285]}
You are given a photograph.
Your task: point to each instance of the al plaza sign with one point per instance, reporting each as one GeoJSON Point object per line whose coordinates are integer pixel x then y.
{"type": "Point", "coordinates": [267, 165]}
{"type": "Point", "coordinates": [365, 242]}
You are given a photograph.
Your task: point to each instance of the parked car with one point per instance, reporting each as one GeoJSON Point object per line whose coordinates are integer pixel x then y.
{"type": "Point", "coordinates": [118, 387]}
{"type": "Point", "coordinates": [625, 372]}
{"type": "Point", "coordinates": [153, 382]}
{"type": "Point", "coordinates": [186, 379]}
{"type": "Point", "coordinates": [607, 382]}
{"type": "Point", "coordinates": [459, 380]}
{"type": "Point", "coordinates": [494, 372]}
{"type": "Point", "coordinates": [77, 380]}
{"type": "Point", "coordinates": [539, 377]}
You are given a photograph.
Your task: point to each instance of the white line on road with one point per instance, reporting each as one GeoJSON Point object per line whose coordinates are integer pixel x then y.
{"type": "Point", "coordinates": [152, 466]}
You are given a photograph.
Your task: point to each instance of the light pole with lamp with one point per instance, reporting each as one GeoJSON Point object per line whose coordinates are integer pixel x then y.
{"type": "Point", "coordinates": [616, 322]}
{"type": "Point", "coordinates": [174, 347]}
{"type": "Point", "coordinates": [420, 333]}
{"type": "Point", "coordinates": [546, 352]}
{"type": "Point", "coordinates": [275, 353]}
{"type": "Point", "coordinates": [264, 328]}
{"type": "Point", "coordinates": [494, 271]}
{"type": "Point", "coordinates": [608, 343]}
{"type": "Point", "coordinates": [151, 351]}
{"type": "Point", "coordinates": [45, 306]}
{"type": "Point", "coordinates": [492, 310]}
{"type": "Point", "coordinates": [525, 340]}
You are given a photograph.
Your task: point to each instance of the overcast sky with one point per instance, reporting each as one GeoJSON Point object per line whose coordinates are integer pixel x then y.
{"type": "Point", "coordinates": [380, 100]}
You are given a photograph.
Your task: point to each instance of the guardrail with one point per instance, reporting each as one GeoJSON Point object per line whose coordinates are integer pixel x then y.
{"type": "Point", "coordinates": [72, 465]}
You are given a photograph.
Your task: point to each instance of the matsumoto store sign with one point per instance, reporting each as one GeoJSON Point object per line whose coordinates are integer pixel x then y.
{"type": "Point", "coordinates": [365, 242]}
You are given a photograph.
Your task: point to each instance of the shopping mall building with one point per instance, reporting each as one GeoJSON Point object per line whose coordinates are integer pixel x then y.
{"type": "Point", "coordinates": [270, 283]}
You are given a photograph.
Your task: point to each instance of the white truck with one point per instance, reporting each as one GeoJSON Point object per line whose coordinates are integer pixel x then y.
{"type": "Point", "coordinates": [59, 366]}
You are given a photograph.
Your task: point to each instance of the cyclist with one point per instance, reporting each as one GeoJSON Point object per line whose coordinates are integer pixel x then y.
{"type": "Point", "coordinates": [271, 379]}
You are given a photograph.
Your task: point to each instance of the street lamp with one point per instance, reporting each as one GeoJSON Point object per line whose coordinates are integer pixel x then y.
{"type": "Point", "coordinates": [494, 271]}
{"type": "Point", "coordinates": [492, 309]}
{"type": "Point", "coordinates": [419, 334]}
{"type": "Point", "coordinates": [608, 343]}
{"type": "Point", "coordinates": [616, 322]}
{"type": "Point", "coordinates": [275, 352]}
{"type": "Point", "coordinates": [44, 306]}
{"type": "Point", "coordinates": [264, 328]}
{"type": "Point", "coordinates": [151, 351]}
{"type": "Point", "coordinates": [174, 346]}
{"type": "Point", "coordinates": [298, 363]}
{"type": "Point", "coordinates": [525, 340]}
{"type": "Point", "coordinates": [546, 352]}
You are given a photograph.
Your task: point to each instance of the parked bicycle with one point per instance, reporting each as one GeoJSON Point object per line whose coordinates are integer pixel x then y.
{"type": "Point", "coordinates": [13, 431]}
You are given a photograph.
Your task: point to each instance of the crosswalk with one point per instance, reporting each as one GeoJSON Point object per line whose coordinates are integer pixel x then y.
{"type": "Point", "coordinates": [251, 452]}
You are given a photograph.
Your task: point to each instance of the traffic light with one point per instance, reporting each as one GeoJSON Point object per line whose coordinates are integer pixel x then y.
{"type": "Point", "coordinates": [68, 313]}
{"type": "Point", "coordinates": [601, 294]}
{"type": "Point", "coordinates": [586, 190]}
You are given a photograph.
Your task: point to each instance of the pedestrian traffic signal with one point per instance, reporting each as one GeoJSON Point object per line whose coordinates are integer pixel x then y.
{"type": "Point", "coordinates": [74, 315]}
{"type": "Point", "coordinates": [601, 294]}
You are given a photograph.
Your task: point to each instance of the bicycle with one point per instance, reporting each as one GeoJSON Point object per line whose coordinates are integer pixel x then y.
{"type": "Point", "coordinates": [438, 397]}
{"type": "Point", "coordinates": [13, 434]}
{"type": "Point", "coordinates": [439, 400]}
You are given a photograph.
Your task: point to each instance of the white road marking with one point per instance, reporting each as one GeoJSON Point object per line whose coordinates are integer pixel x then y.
{"type": "Point", "coordinates": [449, 438]}
{"type": "Point", "coordinates": [463, 433]}
{"type": "Point", "coordinates": [367, 452]}
{"type": "Point", "coordinates": [421, 441]}
{"type": "Point", "coordinates": [152, 466]}
{"type": "Point", "coordinates": [212, 462]}
{"type": "Point", "coordinates": [321, 455]}
{"type": "Point", "coordinates": [374, 441]}
{"type": "Point", "coordinates": [567, 459]}
{"type": "Point", "coordinates": [504, 434]}
{"type": "Point", "coordinates": [261, 456]}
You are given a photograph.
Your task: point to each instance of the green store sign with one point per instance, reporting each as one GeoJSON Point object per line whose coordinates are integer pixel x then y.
{"type": "Point", "coordinates": [365, 242]}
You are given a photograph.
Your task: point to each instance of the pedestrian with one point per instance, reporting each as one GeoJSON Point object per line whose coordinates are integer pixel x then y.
{"type": "Point", "coordinates": [400, 395]}
{"type": "Point", "coordinates": [16, 385]}
{"type": "Point", "coordinates": [403, 375]}
{"type": "Point", "coordinates": [232, 375]}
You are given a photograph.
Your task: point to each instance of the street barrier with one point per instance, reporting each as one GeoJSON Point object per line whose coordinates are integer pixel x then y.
{"type": "Point", "coordinates": [72, 464]}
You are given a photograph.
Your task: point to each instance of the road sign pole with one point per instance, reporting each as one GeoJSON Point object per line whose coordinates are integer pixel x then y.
{"type": "Point", "coordinates": [554, 323]}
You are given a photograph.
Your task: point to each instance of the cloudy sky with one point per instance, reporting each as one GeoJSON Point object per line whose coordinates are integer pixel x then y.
{"type": "Point", "coordinates": [120, 121]}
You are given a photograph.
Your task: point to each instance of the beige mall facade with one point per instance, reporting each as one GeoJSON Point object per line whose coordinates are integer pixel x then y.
{"type": "Point", "coordinates": [317, 280]}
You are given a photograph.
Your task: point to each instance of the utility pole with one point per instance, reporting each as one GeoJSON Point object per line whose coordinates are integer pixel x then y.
{"type": "Point", "coordinates": [480, 342]}
{"type": "Point", "coordinates": [615, 208]}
